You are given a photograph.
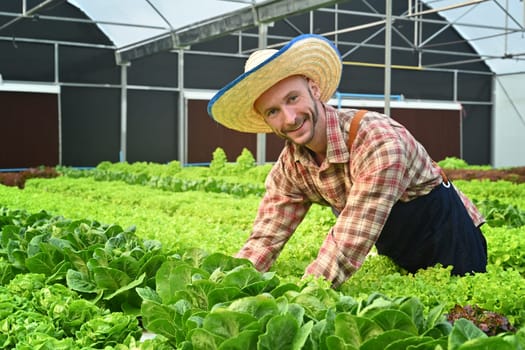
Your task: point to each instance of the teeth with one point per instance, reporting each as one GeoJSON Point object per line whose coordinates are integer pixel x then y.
{"type": "Point", "coordinates": [298, 127]}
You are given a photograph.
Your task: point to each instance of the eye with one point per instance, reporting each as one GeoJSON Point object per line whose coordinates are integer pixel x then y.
{"type": "Point", "coordinates": [271, 113]}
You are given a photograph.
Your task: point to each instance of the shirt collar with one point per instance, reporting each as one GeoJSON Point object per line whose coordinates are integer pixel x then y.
{"type": "Point", "coordinates": [336, 150]}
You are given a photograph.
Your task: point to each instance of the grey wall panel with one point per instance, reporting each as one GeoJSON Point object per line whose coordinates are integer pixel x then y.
{"type": "Point", "coordinates": [157, 70]}
{"type": "Point", "coordinates": [476, 134]}
{"type": "Point", "coordinates": [426, 85]}
{"type": "Point", "coordinates": [88, 65]}
{"type": "Point", "coordinates": [208, 72]}
{"type": "Point", "coordinates": [295, 25]}
{"type": "Point", "coordinates": [225, 44]}
{"type": "Point", "coordinates": [152, 126]}
{"type": "Point", "coordinates": [411, 84]}
{"type": "Point", "coordinates": [474, 87]}
{"type": "Point", "coordinates": [402, 37]}
{"type": "Point", "coordinates": [90, 125]}
{"type": "Point", "coordinates": [27, 61]}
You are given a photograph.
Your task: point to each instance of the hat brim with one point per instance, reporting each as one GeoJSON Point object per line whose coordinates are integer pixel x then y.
{"type": "Point", "coordinates": [309, 54]}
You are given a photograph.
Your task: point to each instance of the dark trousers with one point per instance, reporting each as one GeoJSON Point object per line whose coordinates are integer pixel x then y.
{"type": "Point", "coordinates": [435, 228]}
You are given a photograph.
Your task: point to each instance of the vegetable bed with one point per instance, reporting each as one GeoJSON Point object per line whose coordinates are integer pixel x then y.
{"type": "Point", "coordinates": [96, 259]}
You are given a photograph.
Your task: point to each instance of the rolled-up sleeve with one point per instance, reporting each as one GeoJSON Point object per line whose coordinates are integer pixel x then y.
{"type": "Point", "coordinates": [281, 210]}
{"type": "Point", "coordinates": [380, 168]}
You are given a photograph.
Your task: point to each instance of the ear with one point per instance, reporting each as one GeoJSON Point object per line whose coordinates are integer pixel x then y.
{"type": "Point", "coordinates": [314, 89]}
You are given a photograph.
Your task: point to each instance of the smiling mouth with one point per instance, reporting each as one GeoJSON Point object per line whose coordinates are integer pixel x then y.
{"type": "Point", "coordinates": [297, 127]}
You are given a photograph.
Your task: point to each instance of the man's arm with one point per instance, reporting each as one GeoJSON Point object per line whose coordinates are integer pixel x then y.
{"type": "Point", "coordinates": [280, 212]}
{"type": "Point", "coordinates": [379, 165]}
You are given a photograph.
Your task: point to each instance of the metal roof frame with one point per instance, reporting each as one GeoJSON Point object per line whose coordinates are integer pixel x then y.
{"type": "Point", "coordinates": [248, 17]}
{"type": "Point", "coordinates": [255, 13]}
{"type": "Point", "coordinates": [270, 11]}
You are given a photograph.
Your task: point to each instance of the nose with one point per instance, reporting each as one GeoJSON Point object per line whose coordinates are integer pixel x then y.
{"type": "Point", "coordinates": [289, 115]}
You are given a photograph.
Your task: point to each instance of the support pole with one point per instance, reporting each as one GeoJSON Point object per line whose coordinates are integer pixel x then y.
{"type": "Point", "coordinates": [388, 52]}
{"type": "Point", "coordinates": [182, 122]}
{"type": "Point", "coordinates": [123, 110]}
{"type": "Point", "coordinates": [261, 137]}
{"type": "Point", "coordinates": [59, 101]}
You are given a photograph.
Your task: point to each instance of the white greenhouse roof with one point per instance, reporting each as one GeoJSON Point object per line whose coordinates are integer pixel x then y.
{"type": "Point", "coordinates": [495, 31]}
{"type": "Point", "coordinates": [126, 22]}
{"type": "Point", "coordinates": [494, 28]}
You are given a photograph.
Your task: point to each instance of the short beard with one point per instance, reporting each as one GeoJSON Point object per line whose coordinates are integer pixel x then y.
{"type": "Point", "coordinates": [314, 117]}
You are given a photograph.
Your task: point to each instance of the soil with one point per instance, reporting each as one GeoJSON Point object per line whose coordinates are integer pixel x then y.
{"type": "Point", "coordinates": [516, 175]}
{"type": "Point", "coordinates": [19, 178]}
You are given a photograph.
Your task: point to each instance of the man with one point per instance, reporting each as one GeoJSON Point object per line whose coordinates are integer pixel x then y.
{"type": "Point", "coordinates": [377, 178]}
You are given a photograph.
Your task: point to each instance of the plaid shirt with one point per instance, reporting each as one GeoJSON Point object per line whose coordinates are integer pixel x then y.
{"type": "Point", "coordinates": [386, 164]}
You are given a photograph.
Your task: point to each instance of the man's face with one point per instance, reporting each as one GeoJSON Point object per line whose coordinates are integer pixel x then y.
{"type": "Point", "coordinates": [290, 109]}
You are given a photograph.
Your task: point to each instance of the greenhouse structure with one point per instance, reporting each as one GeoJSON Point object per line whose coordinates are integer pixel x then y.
{"type": "Point", "coordinates": [130, 219]}
{"type": "Point", "coordinates": [86, 81]}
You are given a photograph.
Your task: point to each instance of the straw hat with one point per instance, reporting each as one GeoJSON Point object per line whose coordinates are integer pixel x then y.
{"type": "Point", "coordinates": [309, 54]}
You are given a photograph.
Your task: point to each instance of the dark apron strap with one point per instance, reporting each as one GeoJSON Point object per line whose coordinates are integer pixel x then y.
{"type": "Point", "coordinates": [354, 126]}
{"type": "Point", "coordinates": [352, 133]}
{"type": "Point", "coordinates": [444, 176]}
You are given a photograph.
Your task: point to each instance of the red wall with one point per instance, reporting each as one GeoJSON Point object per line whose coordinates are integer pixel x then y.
{"type": "Point", "coordinates": [438, 130]}
{"type": "Point", "coordinates": [28, 129]}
